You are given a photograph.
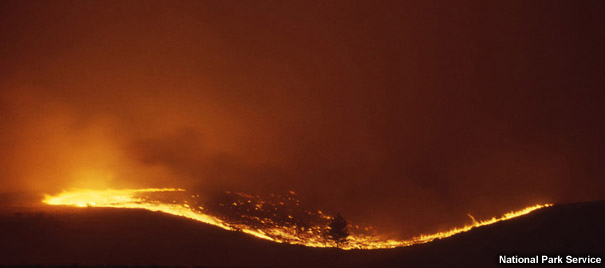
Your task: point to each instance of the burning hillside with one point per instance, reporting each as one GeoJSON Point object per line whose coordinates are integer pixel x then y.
{"type": "Point", "coordinates": [278, 218]}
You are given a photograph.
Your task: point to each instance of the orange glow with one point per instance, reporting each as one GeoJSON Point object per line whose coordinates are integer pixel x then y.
{"type": "Point", "coordinates": [269, 229]}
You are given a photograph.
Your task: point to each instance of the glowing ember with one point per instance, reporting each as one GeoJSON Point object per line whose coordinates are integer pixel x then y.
{"type": "Point", "coordinates": [279, 219]}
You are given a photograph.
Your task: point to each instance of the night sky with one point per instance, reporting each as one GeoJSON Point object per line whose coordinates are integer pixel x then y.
{"type": "Point", "coordinates": [402, 114]}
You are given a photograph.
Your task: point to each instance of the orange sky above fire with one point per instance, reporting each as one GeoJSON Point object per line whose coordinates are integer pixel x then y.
{"type": "Point", "coordinates": [406, 115]}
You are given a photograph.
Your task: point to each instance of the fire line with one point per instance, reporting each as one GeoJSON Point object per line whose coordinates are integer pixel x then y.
{"type": "Point", "coordinates": [268, 229]}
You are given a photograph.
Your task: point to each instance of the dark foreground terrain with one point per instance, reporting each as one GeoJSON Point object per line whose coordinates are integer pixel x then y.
{"type": "Point", "coordinates": [94, 237]}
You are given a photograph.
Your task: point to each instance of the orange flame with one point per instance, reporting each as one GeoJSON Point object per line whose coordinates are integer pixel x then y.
{"type": "Point", "coordinates": [312, 237]}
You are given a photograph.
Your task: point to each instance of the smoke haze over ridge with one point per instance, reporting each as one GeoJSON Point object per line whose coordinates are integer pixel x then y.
{"type": "Point", "coordinates": [402, 115]}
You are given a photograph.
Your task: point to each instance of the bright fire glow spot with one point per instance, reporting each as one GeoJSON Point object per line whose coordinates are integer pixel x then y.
{"type": "Point", "coordinates": [312, 237]}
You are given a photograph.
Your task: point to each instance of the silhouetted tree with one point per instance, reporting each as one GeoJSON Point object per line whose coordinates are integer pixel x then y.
{"type": "Point", "coordinates": [337, 230]}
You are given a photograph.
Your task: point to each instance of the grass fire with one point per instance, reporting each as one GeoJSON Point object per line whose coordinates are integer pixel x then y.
{"type": "Point", "coordinates": [279, 218]}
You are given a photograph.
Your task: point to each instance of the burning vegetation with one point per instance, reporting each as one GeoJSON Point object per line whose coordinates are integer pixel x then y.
{"type": "Point", "coordinates": [278, 218]}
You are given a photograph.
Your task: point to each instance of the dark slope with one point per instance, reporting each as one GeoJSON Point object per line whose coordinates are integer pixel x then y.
{"type": "Point", "coordinates": [571, 229]}
{"type": "Point", "coordinates": [93, 236]}
{"type": "Point", "coordinates": [98, 236]}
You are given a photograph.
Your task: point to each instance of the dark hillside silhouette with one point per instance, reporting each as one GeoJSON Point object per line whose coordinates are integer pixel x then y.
{"type": "Point", "coordinates": [96, 236]}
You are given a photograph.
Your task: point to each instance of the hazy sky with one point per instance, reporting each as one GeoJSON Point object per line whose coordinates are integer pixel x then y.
{"type": "Point", "coordinates": [403, 114]}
